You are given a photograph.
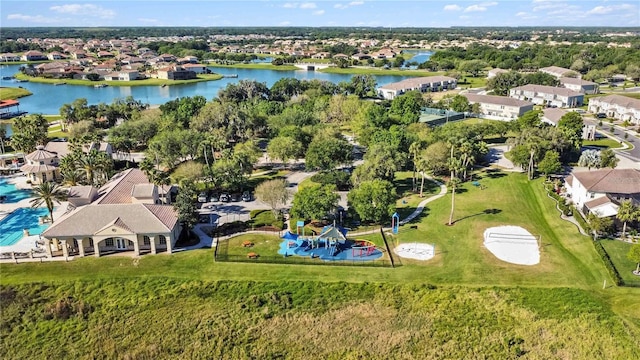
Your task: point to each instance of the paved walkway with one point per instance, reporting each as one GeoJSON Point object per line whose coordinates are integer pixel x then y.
{"type": "Point", "coordinates": [423, 203]}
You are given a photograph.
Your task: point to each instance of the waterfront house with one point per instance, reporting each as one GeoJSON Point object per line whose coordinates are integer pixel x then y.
{"type": "Point", "coordinates": [33, 55]}
{"type": "Point", "coordinates": [122, 75]}
{"type": "Point", "coordinates": [56, 56]}
{"type": "Point", "coordinates": [6, 57]}
{"type": "Point", "coordinates": [196, 68]}
{"type": "Point", "coordinates": [176, 73]}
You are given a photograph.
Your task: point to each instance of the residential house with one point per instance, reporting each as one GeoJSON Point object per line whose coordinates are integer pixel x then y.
{"type": "Point", "coordinates": [196, 68]}
{"type": "Point", "coordinates": [579, 85]}
{"type": "Point", "coordinates": [176, 73]}
{"type": "Point", "coordinates": [61, 148]}
{"type": "Point", "coordinates": [56, 56]}
{"type": "Point", "coordinates": [188, 60]}
{"type": "Point", "coordinates": [167, 58]}
{"type": "Point", "coordinates": [384, 54]}
{"type": "Point", "coordinates": [79, 54]}
{"type": "Point", "coordinates": [33, 55]}
{"type": "Point", "coordinates": [122, 75]}
{"type": "Point", "coordinates": [495, 72]}
{"type": "Point", "coordinates": [9, 57]}
{"type": "Point", "coordinates": [557, 71]}
{"type": "Point", "coordinates": [41, 166]}
{"type": "Point", "coordinates": [552, 116]}
{"type": "Point", "coordinates": [421, 84]}
{"type": "Point", "coordinates": [361, 56]}
{"type": "Point", "coordinates": [499, 107]}
{"type": "Point", "coordinates": [125, 214]}
{"type": "Point", "coordinates": [547, 95]}
{"type": "Point", "coordinates": [104, 54]}
{"type": "Point", "coordinates": [618, 107]}
{"type": "Point", "coordinates": [321, 55]}
{"type": "Point", "coordinates": [600, 191]}
{"type": "Point", "coordinates": [341, 56]}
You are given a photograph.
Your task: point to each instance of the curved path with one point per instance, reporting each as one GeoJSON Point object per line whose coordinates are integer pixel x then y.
{"type": "Point", "coordinates": [423, 203]}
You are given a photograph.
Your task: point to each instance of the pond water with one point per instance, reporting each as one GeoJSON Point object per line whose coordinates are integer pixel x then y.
{"type": "Point", "coordinates": [47, 98]}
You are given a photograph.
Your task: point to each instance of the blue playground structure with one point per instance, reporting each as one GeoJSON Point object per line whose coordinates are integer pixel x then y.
{"type": "Point", "coordinates": [331, 245]}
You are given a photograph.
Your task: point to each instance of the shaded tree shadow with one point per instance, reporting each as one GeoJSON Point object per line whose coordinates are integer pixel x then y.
{"type": "Point", "coordinates": [484, 212]}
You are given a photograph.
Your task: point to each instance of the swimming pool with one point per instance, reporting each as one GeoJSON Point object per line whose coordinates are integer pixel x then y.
{"type": "Point", "coordinates": [12, 193]}
{"type": "Point", "coordinates": [12, 227]}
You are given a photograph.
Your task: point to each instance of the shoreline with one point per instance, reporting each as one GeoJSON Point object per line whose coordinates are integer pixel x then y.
{"type": "Point", "coordinates": [144, 82]}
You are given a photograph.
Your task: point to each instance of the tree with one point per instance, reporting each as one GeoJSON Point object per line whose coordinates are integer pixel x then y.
{"type": "Point", "coordinates": [314, 202]}
{"type": "Point", "coordinates": [529, 119]}
{"type": "Point", "coordinates": [362, 85]}
{"type": "Point", "coordinates": [590, 159]}
{"type": "Point", "coordinates": [48, 193]}
{"type": "Point", "coordinates": [626, 212]}
{"type": "Point", "coordinates": [373, 200]}
{"type": "Point", "coordinates": [599, 225]}
{"type": "Point", "coordinates": [550, 164]}
{"type": "Point", "coordinates": [185, 204]}
{"type": "Point", "coordinates": [460, 103]}
{"type": "Point", "coordinates": [406, 107]}
{"type": "Point", "coordinates": [380, 162]}
{"type": "Point", "coordinates": [503, 82]}
{"type": "Point", "coordinates": [3, 134]}
{"type": "Point", "coordinates": [608, 159]}
{"type": "Point", "coordinates": [273, 193]}
{"type": "Point", "coordinates": [571, 124]}
{"type": "Point", "coordinates": [634, 255]}
{"type": "Point", "coordinates": [284, 148]}
{"type": "Point", "coordinates": [28, 132]}
{"type": "Point", "coordinates": [327, 152]}
{"type": "Point", "coordinates": [474, 67]}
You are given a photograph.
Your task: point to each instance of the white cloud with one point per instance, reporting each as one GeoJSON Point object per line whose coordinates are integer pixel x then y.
{"type": "Point", "coordinates": [602, 10]}
{"type": "Point", "coordinates": [308, 5]}
{"type": "Point", "coordinates": [452, 7]}
{"type": "Point", "coordinates": [521, 13]}
{"type": "Point", "coordinates": [345, 6]}
{"type": "Point", "coordinates": [480, 7]}
{"type": "Point", "coordinates": [39, 19]}
{"type": "Point", "coordinates": [475, 8]}
{"type": "Point", "coordinates": [319, 12]}
{"type": "Point", "coordinates": [91, 10]}
{"type": "Point", "coordinates": [290, 5]}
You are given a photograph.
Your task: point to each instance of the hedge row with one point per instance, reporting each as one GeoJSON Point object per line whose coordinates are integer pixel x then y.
{"type": "Point", "coordinates": [581, 220]}
{"type": "Point", "coordinates": [562, 202]}
{"type": "Point", "coordinates": [608, 263]}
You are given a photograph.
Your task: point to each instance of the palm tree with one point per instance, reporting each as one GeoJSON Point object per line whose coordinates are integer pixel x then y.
{"type": "Point", "coordinates": [455, 165]}
{"type": "Point", "coordinates": [626, 212]}
{"type": "Point", "coordinates": [414, 151]}
{"type": "Point", "coordinates": [422, 166]}
{"type": "Point", "coordinates": [72, 177]}
{"type": "Point", "coordinates": [47, 193]}
{"type": "Point", "coordinates": [159, 179]}
{"type": "Point", "coordinates": [91, 164]}
{"type": "Point", "coordinates": [3, 134]}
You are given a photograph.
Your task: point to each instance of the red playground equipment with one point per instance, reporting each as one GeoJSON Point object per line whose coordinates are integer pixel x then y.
{"type": "Point", "coordinates": [362, 248]}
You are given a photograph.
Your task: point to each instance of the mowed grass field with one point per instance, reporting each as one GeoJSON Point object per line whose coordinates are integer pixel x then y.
{"type": "Point", "coordinates": [464, 303]}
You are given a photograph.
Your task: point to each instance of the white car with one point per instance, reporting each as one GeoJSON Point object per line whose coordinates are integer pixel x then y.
{"type": "Point", "coordinates": [202, 197]}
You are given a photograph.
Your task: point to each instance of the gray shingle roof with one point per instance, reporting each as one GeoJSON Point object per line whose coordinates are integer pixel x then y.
{"type": "Point", "coordinates": [498, 100]}
{"type": "Point", "coordinates": [616, 181]}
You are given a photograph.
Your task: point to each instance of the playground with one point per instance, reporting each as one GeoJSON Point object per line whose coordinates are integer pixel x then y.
{"type": "Point", "coordinates": [330, 245]}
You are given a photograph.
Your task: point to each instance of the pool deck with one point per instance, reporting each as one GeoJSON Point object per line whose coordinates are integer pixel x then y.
{"type": "Point", "coordinates": [27, 242]}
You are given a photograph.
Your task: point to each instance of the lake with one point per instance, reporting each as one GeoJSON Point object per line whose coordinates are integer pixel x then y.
{"type": "Point", "coordinates": [48, 98]}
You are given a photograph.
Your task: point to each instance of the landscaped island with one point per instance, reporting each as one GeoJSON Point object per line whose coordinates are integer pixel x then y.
{"type": "Point", "coordinates": [13, 93]}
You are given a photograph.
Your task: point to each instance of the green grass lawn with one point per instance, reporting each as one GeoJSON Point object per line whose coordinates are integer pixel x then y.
{"type": "Point", "coordinates": [408, 199]}
{"type": "Point", "coordinates": [144, 82]}
{"type": "Point", "coordinates": [478, 304]}
{"type": "Point", "coordinates": [603, 143]}
{"type": "Point", "coordinates": [617, 251]}
{"type": "Point", "coordinates": [13, 93]}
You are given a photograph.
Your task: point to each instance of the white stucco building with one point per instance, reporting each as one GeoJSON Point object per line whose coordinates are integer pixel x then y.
{"type": "Point", "coordinates": [421, 84]}
{"type": "Point", "coordinates": [548, 95]}
{"type": "Point", "coordinates": [41, 166]}
{"type": "Point", "coordinates": [500, 107]}
{"type": "Point", "coordinates": [601, 191]}
{"type": "Point", "coordinates": [617, 107]}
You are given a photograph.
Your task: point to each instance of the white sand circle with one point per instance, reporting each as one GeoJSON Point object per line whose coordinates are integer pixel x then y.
{"type": "Point", "coordinates": [512, 244]}
{"type": "Point", "coordinates": [416, 251]}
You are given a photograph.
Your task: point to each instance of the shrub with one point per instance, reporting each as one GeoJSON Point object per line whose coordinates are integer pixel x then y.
{"type": "Point", "coordinates": [580, 219]}
{"type": "Point", "coordinates": [617, 279]}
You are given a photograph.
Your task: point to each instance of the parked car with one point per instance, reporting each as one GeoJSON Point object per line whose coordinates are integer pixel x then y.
{"type": "Point", "coordinates": [225, 197]}
{"type": "Point", "coordinates": [215, 197]}
{"type": "Point", "coordinates": [601, 115]}
{"type": "Point", "coordinates": [246, 196]}
{"type": "Point", "coordinates": [202, 197]}
{"type": "Point", "coordinates": [235, 197]}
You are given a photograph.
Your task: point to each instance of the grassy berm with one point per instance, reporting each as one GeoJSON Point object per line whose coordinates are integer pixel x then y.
{"type": "Point", "coordinates": [187, 319]}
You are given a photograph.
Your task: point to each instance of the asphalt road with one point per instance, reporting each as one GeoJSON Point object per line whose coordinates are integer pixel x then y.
{"type": "Point", "coordinates": [618, 134]}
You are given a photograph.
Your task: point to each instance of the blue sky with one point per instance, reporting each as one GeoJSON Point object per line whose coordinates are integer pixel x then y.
{"type": "Point", "coordinates": [387, 13]}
